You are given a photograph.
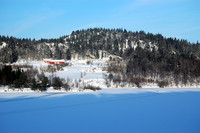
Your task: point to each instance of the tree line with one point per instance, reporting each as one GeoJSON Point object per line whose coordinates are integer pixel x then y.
{"type": "Point", "coordinates": [142, 66]}
{"type": "Point", "coordinates": [18, 78]}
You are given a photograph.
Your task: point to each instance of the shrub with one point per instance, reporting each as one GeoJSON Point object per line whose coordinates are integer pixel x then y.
{"type": "Point", "coordinates": [163, 84]}
{"type": "Point", "coordinates": [66, 86]}
{"type": "Point", "coordinates": [45, 82]}
{"type": "Point", "coordinates": [89, 62]}
{"type": "Point", "coordinates": [33, 84]}
{"type": "Point", "coordinates": [57, 83]}
{"type": "Point", "coordinates": [90, 87]}
{"type": "Point", "coordinates": [137, 81]}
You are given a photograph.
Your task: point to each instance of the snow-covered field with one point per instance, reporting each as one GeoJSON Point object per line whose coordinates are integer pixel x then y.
{"type": "Point", "coordinates": [177, 112]}
{"type": "Point", "coordinates": [86, 74]}
{"type": "Point", "coordinates": [79, 70]}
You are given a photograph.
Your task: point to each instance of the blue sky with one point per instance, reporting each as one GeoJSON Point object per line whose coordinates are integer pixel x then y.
{"type": "Point", "coordinates": [55, 18]}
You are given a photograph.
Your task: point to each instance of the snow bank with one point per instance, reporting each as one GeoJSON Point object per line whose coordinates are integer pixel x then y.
{"type": "Point", "coordinates": [55, 93]}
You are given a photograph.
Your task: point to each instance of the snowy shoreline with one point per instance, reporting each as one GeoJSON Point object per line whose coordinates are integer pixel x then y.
{"type": "Point", "coordinates": [57, 93]}
{"type": "Point", "coordinates": [86, 74]}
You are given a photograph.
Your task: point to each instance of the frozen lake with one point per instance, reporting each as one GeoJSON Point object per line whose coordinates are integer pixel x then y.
{"type": "Point", "coordinates": [177, 112]}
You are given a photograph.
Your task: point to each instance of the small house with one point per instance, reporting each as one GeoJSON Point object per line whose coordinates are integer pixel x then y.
{"type": "Point", "coordinates": [54, 62]}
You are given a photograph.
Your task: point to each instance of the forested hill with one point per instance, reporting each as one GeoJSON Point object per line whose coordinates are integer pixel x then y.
{"type": "Point", "coordinates": [145, 57]}
{"type": "Point", "coordinates": [91, 42]}
{"type": "Point", "coordinates": [95, 43]}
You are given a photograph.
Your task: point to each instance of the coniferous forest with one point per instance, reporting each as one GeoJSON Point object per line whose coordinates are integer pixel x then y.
{"type": "Point", "coordinates": [140, 57]}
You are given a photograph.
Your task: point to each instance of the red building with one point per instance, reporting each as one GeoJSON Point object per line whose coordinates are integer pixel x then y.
{"type": "Point", "coordinates": [46, 60]}
{"type": "Point", "coordinates": [55, 62]}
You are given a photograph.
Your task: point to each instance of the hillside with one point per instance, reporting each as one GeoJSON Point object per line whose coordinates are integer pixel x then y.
{"type": "Point", "coordinates": [82, 43]}
{"type": "Point", "coordinates": [145, 57]}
